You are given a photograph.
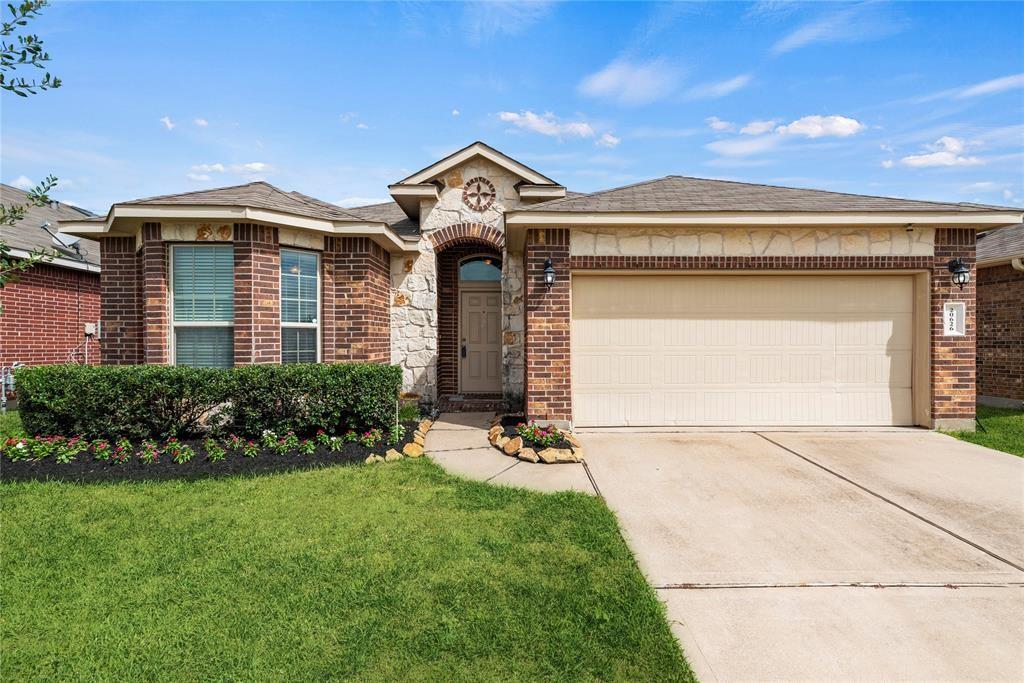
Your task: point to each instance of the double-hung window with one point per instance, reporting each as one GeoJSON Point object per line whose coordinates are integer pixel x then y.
{"type": "Point", "coordinates": [300, 306]}
{"type": "Point", "coordinates": [203, 305]}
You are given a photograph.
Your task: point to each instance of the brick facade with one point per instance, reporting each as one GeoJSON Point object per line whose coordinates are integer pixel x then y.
{"type": "Point", "coordinates": [257, 294]}
{"type": "Point", "coordinates": [357, 304]}
{"type": "Point", "coordinates": [952, 358]}
{"type": "Point", "coordinates": [448, 332]}
{"type": "Point", "coordinates": [1001, 332]}
{"type": "Point", "coordinates": [548, 379]}
{"type": "Point", "coordinates": [467, 233]}
{"type": "Point", "coordinates": [120, 302]}
{"type": "Point", "coordinates": [153, 264]}
{"type": "Point", "coordinates": [44, 314]}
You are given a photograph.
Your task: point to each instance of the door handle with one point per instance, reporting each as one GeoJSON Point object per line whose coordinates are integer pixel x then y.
{"type": "Point", "coordinates": [462, 350]}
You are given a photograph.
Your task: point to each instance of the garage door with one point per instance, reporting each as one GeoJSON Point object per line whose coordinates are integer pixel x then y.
{"type": "Point", "coordinates": [742, 350]}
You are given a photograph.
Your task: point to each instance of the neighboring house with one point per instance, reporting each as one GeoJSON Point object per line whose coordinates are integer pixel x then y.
{"type": "Point", "coordinates": [677, 301]}
{"type": "Point", "coordinates": [1001, 317]}
{"type": "Point", "coordinates": [45, 311]}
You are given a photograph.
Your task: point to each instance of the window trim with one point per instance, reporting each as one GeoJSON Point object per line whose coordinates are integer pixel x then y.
{"type": "Point", "coordinates": [282, 325]}
{"type": "Point", "coordinates": [172, 346]}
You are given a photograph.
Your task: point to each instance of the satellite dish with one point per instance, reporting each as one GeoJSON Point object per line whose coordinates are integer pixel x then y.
{"type": "Point", "coordinates": [67, 243]}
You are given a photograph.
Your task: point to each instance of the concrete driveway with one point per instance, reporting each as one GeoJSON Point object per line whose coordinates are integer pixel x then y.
{"type": "Point", "coordinates": [812, 556]}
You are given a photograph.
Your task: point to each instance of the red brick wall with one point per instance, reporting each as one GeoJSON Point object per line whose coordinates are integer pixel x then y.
{"type": "Point", "coordinates": [952, 366]}
{"type": "Point", "coordinates": [1001, 332]}
{"type": "Point", "coordinates": [153, 260]}
{"type": "Point", "coordinates": [257, 294]}
{"type": "Point", "coordinates": [44, 314]}
{"type": "Point", "coordinates": [448, 333]}
{"type": "Point", "coordinates": [120, 302]}
{"type": "Point", "coordinates": [548, 381]}
{"type": "Point", "coordinates": [358, 300]}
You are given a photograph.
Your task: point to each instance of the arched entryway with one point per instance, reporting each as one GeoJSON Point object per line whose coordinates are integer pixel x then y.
{"type": "Point", "coordinates": [469, 303]}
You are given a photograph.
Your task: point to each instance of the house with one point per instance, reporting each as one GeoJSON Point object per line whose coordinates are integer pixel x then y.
{"type": "Point", "coordinates": [676, 301]}
{"type": "Point", "coordinates": [45, 311]}
{"type": "Point", "coordinates": [1001, 317]}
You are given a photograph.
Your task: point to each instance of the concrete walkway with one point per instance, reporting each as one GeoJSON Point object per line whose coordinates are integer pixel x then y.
{"type": "Point", "coordinates": [458, 442]}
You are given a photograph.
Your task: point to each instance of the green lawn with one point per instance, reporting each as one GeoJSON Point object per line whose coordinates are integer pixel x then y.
{"type": "Point", "coordinates": [10, 424]}
{"type": "Point", "coordinates": [385, 572]}
{"type": "Point", "coordinates": [1003, 430]}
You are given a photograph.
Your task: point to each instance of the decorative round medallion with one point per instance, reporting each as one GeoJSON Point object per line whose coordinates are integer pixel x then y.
{"type": "Point", "coordinates": [478, 194]}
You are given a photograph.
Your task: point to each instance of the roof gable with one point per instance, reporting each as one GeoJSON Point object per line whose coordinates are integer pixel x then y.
{"type": "Point", "coordinates": [477, 149]}
{"type": "Point", "coordinates": [1001, 246]}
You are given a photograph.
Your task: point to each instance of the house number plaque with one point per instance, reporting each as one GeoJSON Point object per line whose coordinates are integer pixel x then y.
{"type": "Point", "coordinates": [953, 318]}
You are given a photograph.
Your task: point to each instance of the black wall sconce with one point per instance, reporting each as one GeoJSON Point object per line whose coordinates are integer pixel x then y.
{"type": "Point", "coordinates": [549, 274]}
{"type": "Point", "coordinates": [961, 273]}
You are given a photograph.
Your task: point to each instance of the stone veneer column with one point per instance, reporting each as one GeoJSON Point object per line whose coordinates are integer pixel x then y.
{"type": "Point", "coordinates": [357, 304]}
{"type": "Point", "coordinates": [120, 302]}
{"type": "Point", "coordinates": [153, 264]}
{"type": "Point", "coordinates": [548, 378]}
{"type": "Point", "coordinates": [952, 358]}
{"type": "Point", "coordinates": [257, 294]}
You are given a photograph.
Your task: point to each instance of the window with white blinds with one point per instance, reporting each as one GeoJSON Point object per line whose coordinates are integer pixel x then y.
{"type": "Point", "coordinates": [300, 306]}
{"type": "Point", "coordinates": [203, 305]}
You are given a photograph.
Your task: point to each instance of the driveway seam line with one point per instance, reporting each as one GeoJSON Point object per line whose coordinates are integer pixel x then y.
{"type": "Point", "coordinates": [895, 504]}
{"type": "Point", "coordinates": [838, 584]}
{"type": "Point", "coordinates": [593, 482]}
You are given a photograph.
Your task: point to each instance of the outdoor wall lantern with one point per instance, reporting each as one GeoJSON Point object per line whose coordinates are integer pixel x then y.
{"type": "Point", "coordinates": [961, 273]}
{"type": "Point", "coordinates": [549, 274]}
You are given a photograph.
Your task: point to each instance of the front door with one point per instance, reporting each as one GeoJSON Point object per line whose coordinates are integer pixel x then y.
{"type": "Point", "coordinates": [480, 341]}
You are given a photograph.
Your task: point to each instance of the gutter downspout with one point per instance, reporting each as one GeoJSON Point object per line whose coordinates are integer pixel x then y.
{"type": "Point", "coordinates": [1017, 264]}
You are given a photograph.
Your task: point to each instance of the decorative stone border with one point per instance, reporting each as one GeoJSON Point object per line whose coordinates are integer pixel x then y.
{"type": "Point", "coordinates": [413, 449]}
{"type": "Point", "coordinates": [513, 447]}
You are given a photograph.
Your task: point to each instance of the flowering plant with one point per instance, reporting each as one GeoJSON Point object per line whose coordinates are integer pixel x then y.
{"type": "Point", "coordinates": [150, 452]}
{"type": "Point", "coordinates": [214, 452]}
{"type": "Point", "coordinates": [371, 438]}
{"type": "Point", "coordinates": [122, 451]}
{"type": "Point", "coordinates": [307, 447]}
{"type": "Point", "coordinates": [250, 449]}
{"type": "Point", "coordinates": [336, 443]}
{"type": "Point", "coordinates": [323, 438]}
{"type": "Point", "coordinates": [269, 438]}
{"type": "Point", "coordinates": [16, 449]}
{"type": "Point", "coordinates": [101, 449]}
{"type": "Point", "coordinates": [396, 433]}
{"type": "Point", "coordinates": [235, 442]}
{"type": "Point", "coordinates": [541, 436]}
{"type": "Point", "coordinates": [351, 436]}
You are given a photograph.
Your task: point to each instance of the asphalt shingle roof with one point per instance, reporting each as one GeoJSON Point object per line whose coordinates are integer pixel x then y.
{"type": "Point", "coordinates": [392, 214]}
{"type": "Point", "coordinates": [257, 195]}
{"type": "Point", "coordinates": [1005, 243]}
{"type": "Point", "coordinates": [27, 235]}
{"type": "Point", "coordinates": [681, 193]}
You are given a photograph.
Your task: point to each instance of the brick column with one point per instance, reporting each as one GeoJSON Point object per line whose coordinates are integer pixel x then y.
{"type": "Point", "coordinates": [257, 294]}
{"type": "Point", "coordinates": [120, 302]}
{"type": "Point", "coordinates": [952, 358]}
{"type": "Point", "coordinates": [548, 379]}
{"type": "Point", "coordinates": [357, 305]}
{"type": "Point", "coordinates": [153, 265]}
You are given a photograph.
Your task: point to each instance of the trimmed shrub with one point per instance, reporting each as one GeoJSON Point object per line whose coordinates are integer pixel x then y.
{"type": "Point", "coordinates": [304, 398]}
{"type": "Point", "coordinates": [155, 401]}
{"type": "Point", "coordinates": [119, 401]}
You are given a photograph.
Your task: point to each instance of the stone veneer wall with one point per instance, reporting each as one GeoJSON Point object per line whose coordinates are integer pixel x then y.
{"type": "Point", "coordinates": [740, 241]}
{"type": "Point", "coordinates": [414, 314]}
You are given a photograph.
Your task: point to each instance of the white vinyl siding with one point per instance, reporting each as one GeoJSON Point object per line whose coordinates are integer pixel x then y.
{"type": "Point", "coordinates": [300, 306]}
{"type": "Point", "coordinates": [202, 305]}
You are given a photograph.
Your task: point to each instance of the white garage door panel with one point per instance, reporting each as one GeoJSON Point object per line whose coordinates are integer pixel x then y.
{"type": "Point", "coordinates": [742, 350]}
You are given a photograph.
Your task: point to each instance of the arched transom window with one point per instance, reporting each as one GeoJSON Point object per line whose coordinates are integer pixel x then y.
{"type": "Point", "coordinates": [480, 269]}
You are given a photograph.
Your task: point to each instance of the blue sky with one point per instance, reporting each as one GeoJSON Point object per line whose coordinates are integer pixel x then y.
{"type": "Point", "coordinates": [338, 100]}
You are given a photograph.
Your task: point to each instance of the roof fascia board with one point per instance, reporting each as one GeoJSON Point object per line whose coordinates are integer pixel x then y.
{"type": "Point", "coordinates": [57, 261]}
{"type": "Point", "coordinates": [528, 218]}
{"type": "Point", "coordinates": [478, 149]}
{"type": "Point", "coordinates": [541, 191]}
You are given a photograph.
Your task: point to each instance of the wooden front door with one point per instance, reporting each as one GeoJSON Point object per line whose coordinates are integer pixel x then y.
{"type": "Point", "coordinates": [480, 341]}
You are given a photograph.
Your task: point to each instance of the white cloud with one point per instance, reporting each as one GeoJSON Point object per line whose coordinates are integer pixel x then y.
{"type": "Point", "coordinates": [821, 126]}
{"type": "Point", "coordinates": [362, 126]}
{"type": "Point", "coordinates": [946, 151]}
{"type": "Point", "coordinates": [758, 127]}
{"type": "Point", "coordinates": [888, 163]}
{"type": "Point", "coordinates": [198, 177]}
{"type": "Point", "coordinates": [168, 124]}
{"type": "Point", "coordinates": [347, 117]}
{"type": "Point", "coordinates": [484, 20]}
{"type": "Point", "coordinates": [23, 183]}
{"type": "Point", "coordinates": [349, 202]}
{"type": "Point", "coordinates": [547, 124]}
{"type": "Point", "coordinates": [608, 140]}
{"type": "Point", "coordinates": [719, 89]}
{"type": "Point", "coordinates": [455, 112]}
{"type": "Point", "coordinates": [208, 168]}
{"type": "Point", "coordinates": [251, 167]}
{"type": "Point", "coordinates": [718, 124]}
{"type": "Point", "coordinates": [852, 23]}
{"type": "Point", "coordinates": [741, 147]}
{"type": "Point", "coordinates": [631, 83]}
{"type": "Point", "coordinates": [996, 85]}
{"type": "Point", "coordinates": [202, 123]}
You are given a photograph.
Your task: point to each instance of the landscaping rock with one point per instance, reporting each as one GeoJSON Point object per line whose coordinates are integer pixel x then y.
{"type": "Point", "coordinates": [425, 426]}
{"type": "Point", "coordinates": [413, 450]}
{"type": "Point", "coordinates": [502, 440]}
{"type": "Point", "coordinates": [417, 438]}
{"type": "Point", "coordinates": [564, 455]}
{"type": "Point", "coordinates": [578, 453]}
{"type": "Point", "coordinates": [494, 432]}
{"type": "Point", "coordinates": [528, 454]}
{"type": "Point", "coordinates": [548, 455]}
{"type": "Point", "coordinates": [392, 455]}
{"type": "Point", "coordinates": [513, 445]}
{"type": "Point", "coordinates": [372, 458]}
{"type": "Point", "coordinates": [571, 438]}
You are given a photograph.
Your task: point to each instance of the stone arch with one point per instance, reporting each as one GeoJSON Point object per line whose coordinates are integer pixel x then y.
{"type": "Point", "coordinates": [459, 234]}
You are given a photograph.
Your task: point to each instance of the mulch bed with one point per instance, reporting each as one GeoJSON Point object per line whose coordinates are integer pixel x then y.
{"type": "Point", "coordinates": [509, 422]}
{"type": "Point", "coordinates": [86, 469]}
